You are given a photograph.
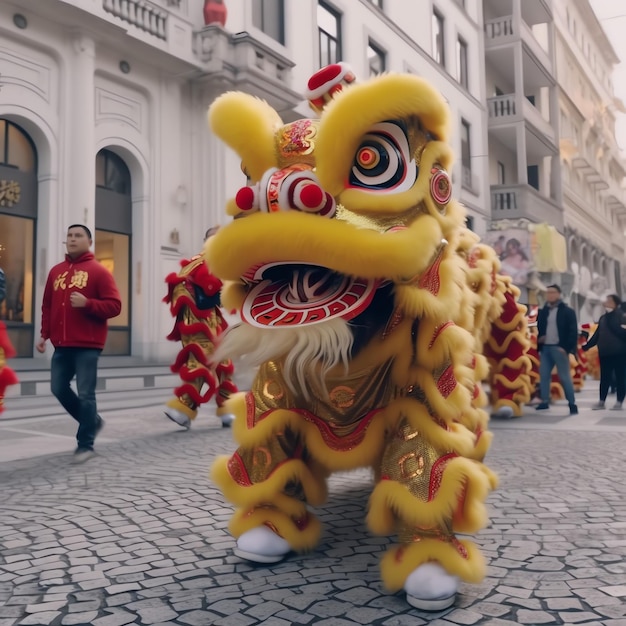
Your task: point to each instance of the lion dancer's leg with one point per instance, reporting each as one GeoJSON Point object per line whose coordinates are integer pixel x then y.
{"type": "Point", "coordinates": [193, 366]}
{"type": "Point", "coordinates": [425, 494]}
{"type": "Point", "coordinates": [198, 381]}
{"type": "Point", "coordinates": [226, 388]}
{"type": "Point", "coordinates": [271, 482]}
{"type": "Point", "coordinates": [507, 351]}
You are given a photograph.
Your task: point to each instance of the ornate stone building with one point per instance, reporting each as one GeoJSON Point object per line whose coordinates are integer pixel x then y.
{"type": "Point", "coordinates": [103, 122]}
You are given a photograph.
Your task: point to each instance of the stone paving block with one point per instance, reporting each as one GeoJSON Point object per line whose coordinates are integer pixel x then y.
{"type": "Point", "coordinates": [79, 619]}
{"type": "Point", "coordinates": [117, 617]}
{"type": "Point", "coordinates": [115, 589]}
{"type": "Point", "coordinates": [578, 617]}
{"type": "Point", "coordinates": [464, 616]}
{"type": "Point", "coordinates": [44, 618]}
{"type": "Point", "coordinates": [534, 618]}
{"type": "Point", "coordinates": [153, 615]}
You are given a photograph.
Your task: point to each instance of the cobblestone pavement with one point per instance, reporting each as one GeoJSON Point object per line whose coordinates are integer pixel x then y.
{"type": "Point", "coordinates": [138, 536]}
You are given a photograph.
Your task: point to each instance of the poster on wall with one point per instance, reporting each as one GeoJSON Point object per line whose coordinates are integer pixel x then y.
{"type": "Point", "coordinates": [513, 247]}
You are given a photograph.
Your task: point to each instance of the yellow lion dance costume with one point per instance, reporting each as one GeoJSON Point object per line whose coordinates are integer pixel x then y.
{"type": "Point", "coordinates": [366, 303]}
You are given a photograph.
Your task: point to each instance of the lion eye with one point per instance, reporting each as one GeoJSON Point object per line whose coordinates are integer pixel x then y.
{"type": "Point", "coordinates": [382, 161]}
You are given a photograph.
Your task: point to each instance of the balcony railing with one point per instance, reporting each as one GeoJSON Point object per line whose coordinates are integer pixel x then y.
{"type": "Point", "coordinates": [523, 201]}
{"type": "Point", "coordinates": [503, 30]}
{"type": "Point", "coordinates": [499, 28]}
{"type": "Point", "coordinates": [502, 106]}
{"type": "Point", "coordinates": [140, 13]}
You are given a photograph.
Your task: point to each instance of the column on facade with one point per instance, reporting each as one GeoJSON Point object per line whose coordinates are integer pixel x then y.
{"type": "Point", "coordinates": [80, 198]}
{"type": "Point", "coordinates": [520, 129]}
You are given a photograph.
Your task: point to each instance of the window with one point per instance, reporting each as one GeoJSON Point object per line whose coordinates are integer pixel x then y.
{"type": "Point", "coordinates": [113, 238]}
{"type": "Point", "coordinates": [438, 39]}
{"type": "Point", "coordinates": [461, 60]}
{"type": "Point", "coordinates": [329, 31]}
{"type": "Point", "coordinates": [469, 222]}
{"type": "Point", "coordinates": [18, 214]}
{"type": "Point", "coordinates": [375, 59]}
{"type": "Point", "coordinates": [112, 173]}
{"type": "Point", "coordinates": [466, 160]}
{"type": "Point", "coordinates": [533, 176]}
{"type": "Point", "coordinates": [269, 16]}
{"type": "Point", "coordinates": [16, 148]}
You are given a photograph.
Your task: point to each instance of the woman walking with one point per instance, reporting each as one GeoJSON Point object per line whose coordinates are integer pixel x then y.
{"type": "Point", "coordinates": [610, 338]}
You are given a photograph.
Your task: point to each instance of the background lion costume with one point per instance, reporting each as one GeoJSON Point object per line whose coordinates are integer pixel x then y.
{"type": "Point", "coordinates": [366, 303]}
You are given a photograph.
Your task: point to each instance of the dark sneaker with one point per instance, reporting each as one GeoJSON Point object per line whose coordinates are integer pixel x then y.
{"type": "Point", "coordinates": [573, 409]}
{"type": "Point", "coordinates": [542, 406]}
{"type": "Point", "coordinates": [81, 455]}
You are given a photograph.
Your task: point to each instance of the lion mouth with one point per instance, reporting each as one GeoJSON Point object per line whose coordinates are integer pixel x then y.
{"type": "Point", "coordinates": [288, 294]}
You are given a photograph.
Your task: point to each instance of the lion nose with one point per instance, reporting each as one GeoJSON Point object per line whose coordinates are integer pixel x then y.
{"type": "Point", "coordinates": [290, 188]}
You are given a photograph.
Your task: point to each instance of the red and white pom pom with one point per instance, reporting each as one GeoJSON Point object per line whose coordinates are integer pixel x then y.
{"type": "Point", "coordinates": [327, 82]}
{"type": "Point", "coordinates": [302, 191]}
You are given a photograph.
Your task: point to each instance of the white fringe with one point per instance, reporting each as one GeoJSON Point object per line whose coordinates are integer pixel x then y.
{"type": "Point", "coordinates": [309, 351]}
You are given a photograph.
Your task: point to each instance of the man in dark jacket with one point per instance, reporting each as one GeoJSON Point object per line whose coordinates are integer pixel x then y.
{"type": "Point", "coordinates": [79, 298]}
{"type": "Point", "coordinates": [557, 338]}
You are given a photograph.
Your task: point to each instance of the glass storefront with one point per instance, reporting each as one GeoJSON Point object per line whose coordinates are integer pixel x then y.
{"type": "Point", "coordinates": [113, 251]}
{"type": "Point", "coordinates": [18, 213]}
{"type": "Point", "coordinates": [112, 245]}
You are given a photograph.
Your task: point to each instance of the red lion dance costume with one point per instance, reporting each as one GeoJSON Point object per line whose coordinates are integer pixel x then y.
{"type": "Point", "coordinates": [194, 299]}
{"type": "Point", "coordinates": [7, 375]}
{"type": "Point", "coordinates": [366, 303]}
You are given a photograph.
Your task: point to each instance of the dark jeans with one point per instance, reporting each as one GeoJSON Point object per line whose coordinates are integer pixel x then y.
{"type": "Point", "coordinates": [549, 357]}
{"type": "Point", "coordinates": [82, 363]}
{"type": "Point", "coordinates": [613, 371]}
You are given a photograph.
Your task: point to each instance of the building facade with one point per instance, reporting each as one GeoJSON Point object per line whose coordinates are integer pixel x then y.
{"type": "Point", "coordinates": [555, 170]}
{"type": "Point", "coordinates": [103, 122]}
{"type": "Point", "coordinates": [591, 163]}
{"type": "Point", "coordinates": [527, 221]}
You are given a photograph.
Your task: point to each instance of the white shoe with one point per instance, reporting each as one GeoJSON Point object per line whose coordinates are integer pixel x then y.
{"type": "Point", "coordinates": [504, 413]}
{"type": "Point", "coordinates": [81, 455]}
{"type": "Point", "coordinates": [177, 416]}
{"type": "Point", "coordinates": [430, 588]}
{"type": "Point", "coordinates": [262, 545]}
{"type": "Point", "coordinates": [227, 420]}
{"type": "Point", "coordinates": [617, 407]}
{"type": "Point", "coordinates": [598, 406]}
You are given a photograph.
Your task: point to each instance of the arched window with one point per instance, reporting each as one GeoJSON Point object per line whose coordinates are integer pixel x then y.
{"type": "Point", "coordinates": [113, 239]}
{"type": "Point", "coordinates": [18, 213]}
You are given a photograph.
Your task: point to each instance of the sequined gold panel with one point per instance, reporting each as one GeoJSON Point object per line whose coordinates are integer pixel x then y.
{"type": "Point", "coordinates": [341, 403]}
{"type": "Point", "coordinates": [410, 460]}
{"type": "Point", "coordinates": [249, 466]}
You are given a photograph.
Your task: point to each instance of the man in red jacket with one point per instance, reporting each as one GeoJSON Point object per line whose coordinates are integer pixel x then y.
{"type": "Point", "coordinates": [79, 298]}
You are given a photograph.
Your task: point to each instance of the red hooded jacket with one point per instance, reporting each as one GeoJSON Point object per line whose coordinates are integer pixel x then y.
{"type": "Point", "coordinates": [69, 327]}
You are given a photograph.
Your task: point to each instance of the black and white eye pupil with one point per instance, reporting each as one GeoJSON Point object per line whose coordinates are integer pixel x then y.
{"type": "Point", "coordinates": [378, 164]}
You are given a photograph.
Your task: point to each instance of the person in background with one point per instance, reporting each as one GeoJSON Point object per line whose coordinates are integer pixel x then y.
{"type": "Point", "coordinates": [194, 299]}
{"type": "Point", "coordinates": [80, 296]}
{"type": "Point", "coordinates": [557, 338]}
{"type": "Point", "coordinates": [610, 338]}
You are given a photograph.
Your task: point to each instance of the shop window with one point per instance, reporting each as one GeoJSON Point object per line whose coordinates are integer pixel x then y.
{"type": "Point", "coordinates": [18, 213]}
{"type": "Point", "coordinates": [113, 240]}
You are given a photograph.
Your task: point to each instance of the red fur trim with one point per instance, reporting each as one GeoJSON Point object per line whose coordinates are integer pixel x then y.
{"type": "Point", "coordinates": [225, 368]}
{"type": "Point", "coordinates": [183, 355]}
{"type": "Point", "coordinates": [193, 393]}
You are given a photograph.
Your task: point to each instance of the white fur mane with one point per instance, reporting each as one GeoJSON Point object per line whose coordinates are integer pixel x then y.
{"type": "Point", "coordinates": [309, 351]}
